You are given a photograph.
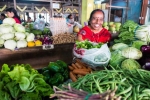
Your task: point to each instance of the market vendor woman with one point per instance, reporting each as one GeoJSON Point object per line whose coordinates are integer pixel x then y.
{"type": "Point", "coordinates": [94, 31]}
{"type": "Point", "coordinates": [12, 13]}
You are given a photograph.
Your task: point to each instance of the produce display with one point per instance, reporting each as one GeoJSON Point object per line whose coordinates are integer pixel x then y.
{"type": "Point", "coordinates": [126, 32]}
{"type": "Point", "coordinates": [22, 82]}
{"type": "Point", "coordinates": [14, 36]}
{"type": "Point", "coordinates": [64, 38]}
{"type": "Point", "coordinates": [130, 84]}
{"type": "Point", "coordinates": [113, 27]}
{"type": "Point", "coordinates": [126, 76]}
{"type": "Point", "coordinates": [30, 28]}
{"type": "Point", "coordinates": [55, 73]}
{"type": "Point", "coordinates": [78, 69]}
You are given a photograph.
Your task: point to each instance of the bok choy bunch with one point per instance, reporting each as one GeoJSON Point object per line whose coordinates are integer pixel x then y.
{"type": "Point", "coordinates": [143, 33]}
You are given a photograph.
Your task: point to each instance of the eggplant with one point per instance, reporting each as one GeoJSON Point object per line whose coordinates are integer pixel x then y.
{"type": "Point", "coordinates": [147, 66]}
{"type": "Point", "coordinates": [145, 49]}
{"type": "Point", "coordinates": [145, 63]}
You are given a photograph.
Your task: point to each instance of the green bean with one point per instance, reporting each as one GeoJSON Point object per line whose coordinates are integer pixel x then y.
{"type": "Point", "coordinates": [127, 95]}
{"type": "Point", "coordinates": [97, 84]}
{"type": "Point", "coordinates": [126, 91]}
{"type": "Point", "coordinates": [137, 90]}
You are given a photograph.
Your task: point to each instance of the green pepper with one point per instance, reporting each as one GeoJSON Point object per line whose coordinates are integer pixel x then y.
{"type": "Point", "coordinates": [61, 63]}
{"type": "Point", "coordinates": [56, 79]}
{"type": "Point", "coordinates": [54, 67]}
{"type": "Point", "coordinates": [46, 75]}
{"type": "Point", "coordinates": [66, 74]}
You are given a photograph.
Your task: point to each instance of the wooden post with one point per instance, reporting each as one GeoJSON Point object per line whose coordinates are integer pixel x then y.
{"type": "Point", "coordinates": [79, 10]}
{"type": "Point", "coordinates": [109, 10]}
{"type": "Point", "coordinates": [51, 8]}
{"type": "Point", "coordinates": [15, 4]}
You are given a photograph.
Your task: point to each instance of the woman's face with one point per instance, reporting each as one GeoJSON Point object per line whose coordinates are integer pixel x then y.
{"type": "Point", "coordinates": [97, 21]}
{"type": "Point", "coordinates": [10, 14]}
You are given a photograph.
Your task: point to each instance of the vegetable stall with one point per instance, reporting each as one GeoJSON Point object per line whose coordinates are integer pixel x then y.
{"type": "Point", "coordinates": [36, 65]}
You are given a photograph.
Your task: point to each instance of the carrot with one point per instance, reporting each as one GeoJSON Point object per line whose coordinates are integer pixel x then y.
{"type": "Point", "coordinates": [89, 69]}
{"type": "Point", "coordinates": [74, 66]}
{"type": "Point", "coordinates": [72, 76]}
{"type": "Point", "coordinates": [71, 68]}
{"type": "Point", "coordinates": [80, 71]}
{"type": "Point", "coordinates": [78, 65]}
{"type": "Point", "coordinates": [80, 62]}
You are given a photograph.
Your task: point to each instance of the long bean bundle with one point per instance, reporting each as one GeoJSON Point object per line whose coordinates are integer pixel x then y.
{"type": "Point", "coordinates": [68, 93]}
{"type": "Point", "coordinates": [130, 84]}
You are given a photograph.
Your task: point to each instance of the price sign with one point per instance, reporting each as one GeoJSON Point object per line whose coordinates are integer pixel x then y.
{"type": "Point", "coordinates": [48, 46]}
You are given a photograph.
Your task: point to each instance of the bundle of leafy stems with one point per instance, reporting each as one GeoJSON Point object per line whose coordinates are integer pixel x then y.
{"type": "Point", "coordinates": [69, 93]}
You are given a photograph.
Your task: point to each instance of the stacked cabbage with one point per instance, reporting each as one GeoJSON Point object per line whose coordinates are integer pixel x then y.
{"type": "Point", "coordinates": [125, 57]}
{"type": "Point", "coordinates": [13, 35]}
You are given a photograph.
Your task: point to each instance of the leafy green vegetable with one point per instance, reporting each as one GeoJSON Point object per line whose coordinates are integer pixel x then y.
{"type": "Point", "coordinates": [87, 44]}
{"type": "Point", "coordinates": [14, 89]}
{"type": "Point", "coordinates": [22, 82]}
{"type": "Point", "coordinates": [126, 34]}
{"type": "Point", "coordinates": [116, 59]}
{"type": "Point", "coordinates": [17, 72]}
{"type": "Point", "coordinates": [5, 68]}
{"type": "Point", "coordinates": [130, 64]}
{"type": "Point", "coordinates": [119, 46]}
{"type": "Point", "coordinates": [137, 44]}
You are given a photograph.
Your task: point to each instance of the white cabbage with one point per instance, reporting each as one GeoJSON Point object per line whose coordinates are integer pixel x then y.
{"type": "Point", "coordinates": [119, 46]}
{"type": "Point", "coordinates": [30, 37]}
{"type": "Point", "coordinates": [4, 28]}
{"type": "Point", "coordinates": [131, 52]}
{"type": "Point", "coordinates": [7, 36]}
{"type": "Point", "coordinates": [19, 27]}
{"type": "Point", "coordinates": [19, 36]}
{"type": "Point", "coordinates": [21, 43]}
{"type": "Point", "coordinates": [9, 21]}
{"type": "Point", "coordinates": [10, 44]}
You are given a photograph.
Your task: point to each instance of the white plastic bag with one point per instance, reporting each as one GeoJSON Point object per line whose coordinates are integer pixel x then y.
{"type": "Point", "coordinates": [95, 57]}
{"type": "Point", "coordinates": [39, 24]}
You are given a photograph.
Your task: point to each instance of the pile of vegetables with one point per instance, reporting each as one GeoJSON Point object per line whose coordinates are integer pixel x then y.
{"type": "Point", "coordinates": [68, 93]}
{"type": "Point", "coordinates": [130, 84]}
{"type": "Point", "coordinates": [13, 35]}
{"type": "Point", "coordinates": [126, 34]}
{"type": "Point", "coordinates": [78, 69]}
{"type": "Point", "coordinates": [125, 56]}
{"type": "Point", "coordinates": [22, 82]}
{"type": "Point", "coordinates": [55, 73]}
{"type": "Point", "coordinates": [87, 44]}
{"type": "Point", "coordinates": [63, 38]}
{"type": "Point", "coordinates": [113, 27]}
{"type": "Point", "coordinates": [30, 28]}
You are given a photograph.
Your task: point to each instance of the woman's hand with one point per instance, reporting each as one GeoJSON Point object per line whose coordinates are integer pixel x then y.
{"type": "Point", "coordinates": [79, 37]}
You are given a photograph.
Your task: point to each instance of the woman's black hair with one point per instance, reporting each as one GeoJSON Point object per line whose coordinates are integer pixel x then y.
{"type": "Point", "coordinates": [69, 16]}
{"type": "Point", "coordinates": [2, 14]}
{"type": "Point", "coordinates": [93, 12]}
{"type": "Point", "coordinates": [14, 11]}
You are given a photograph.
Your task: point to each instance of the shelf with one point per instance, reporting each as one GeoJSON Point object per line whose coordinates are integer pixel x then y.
{"type": "Point", "coordinates": [36, 56]}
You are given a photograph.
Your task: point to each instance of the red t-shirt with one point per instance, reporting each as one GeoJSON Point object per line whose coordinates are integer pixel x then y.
{"type": "Point", "coordinates": [17, 20]}
{"type": "Point", "coordinates": [103, 36]}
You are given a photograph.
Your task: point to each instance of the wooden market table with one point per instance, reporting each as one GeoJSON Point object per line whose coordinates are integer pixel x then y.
{"type": "Point", "coordinates": [36, 56]}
